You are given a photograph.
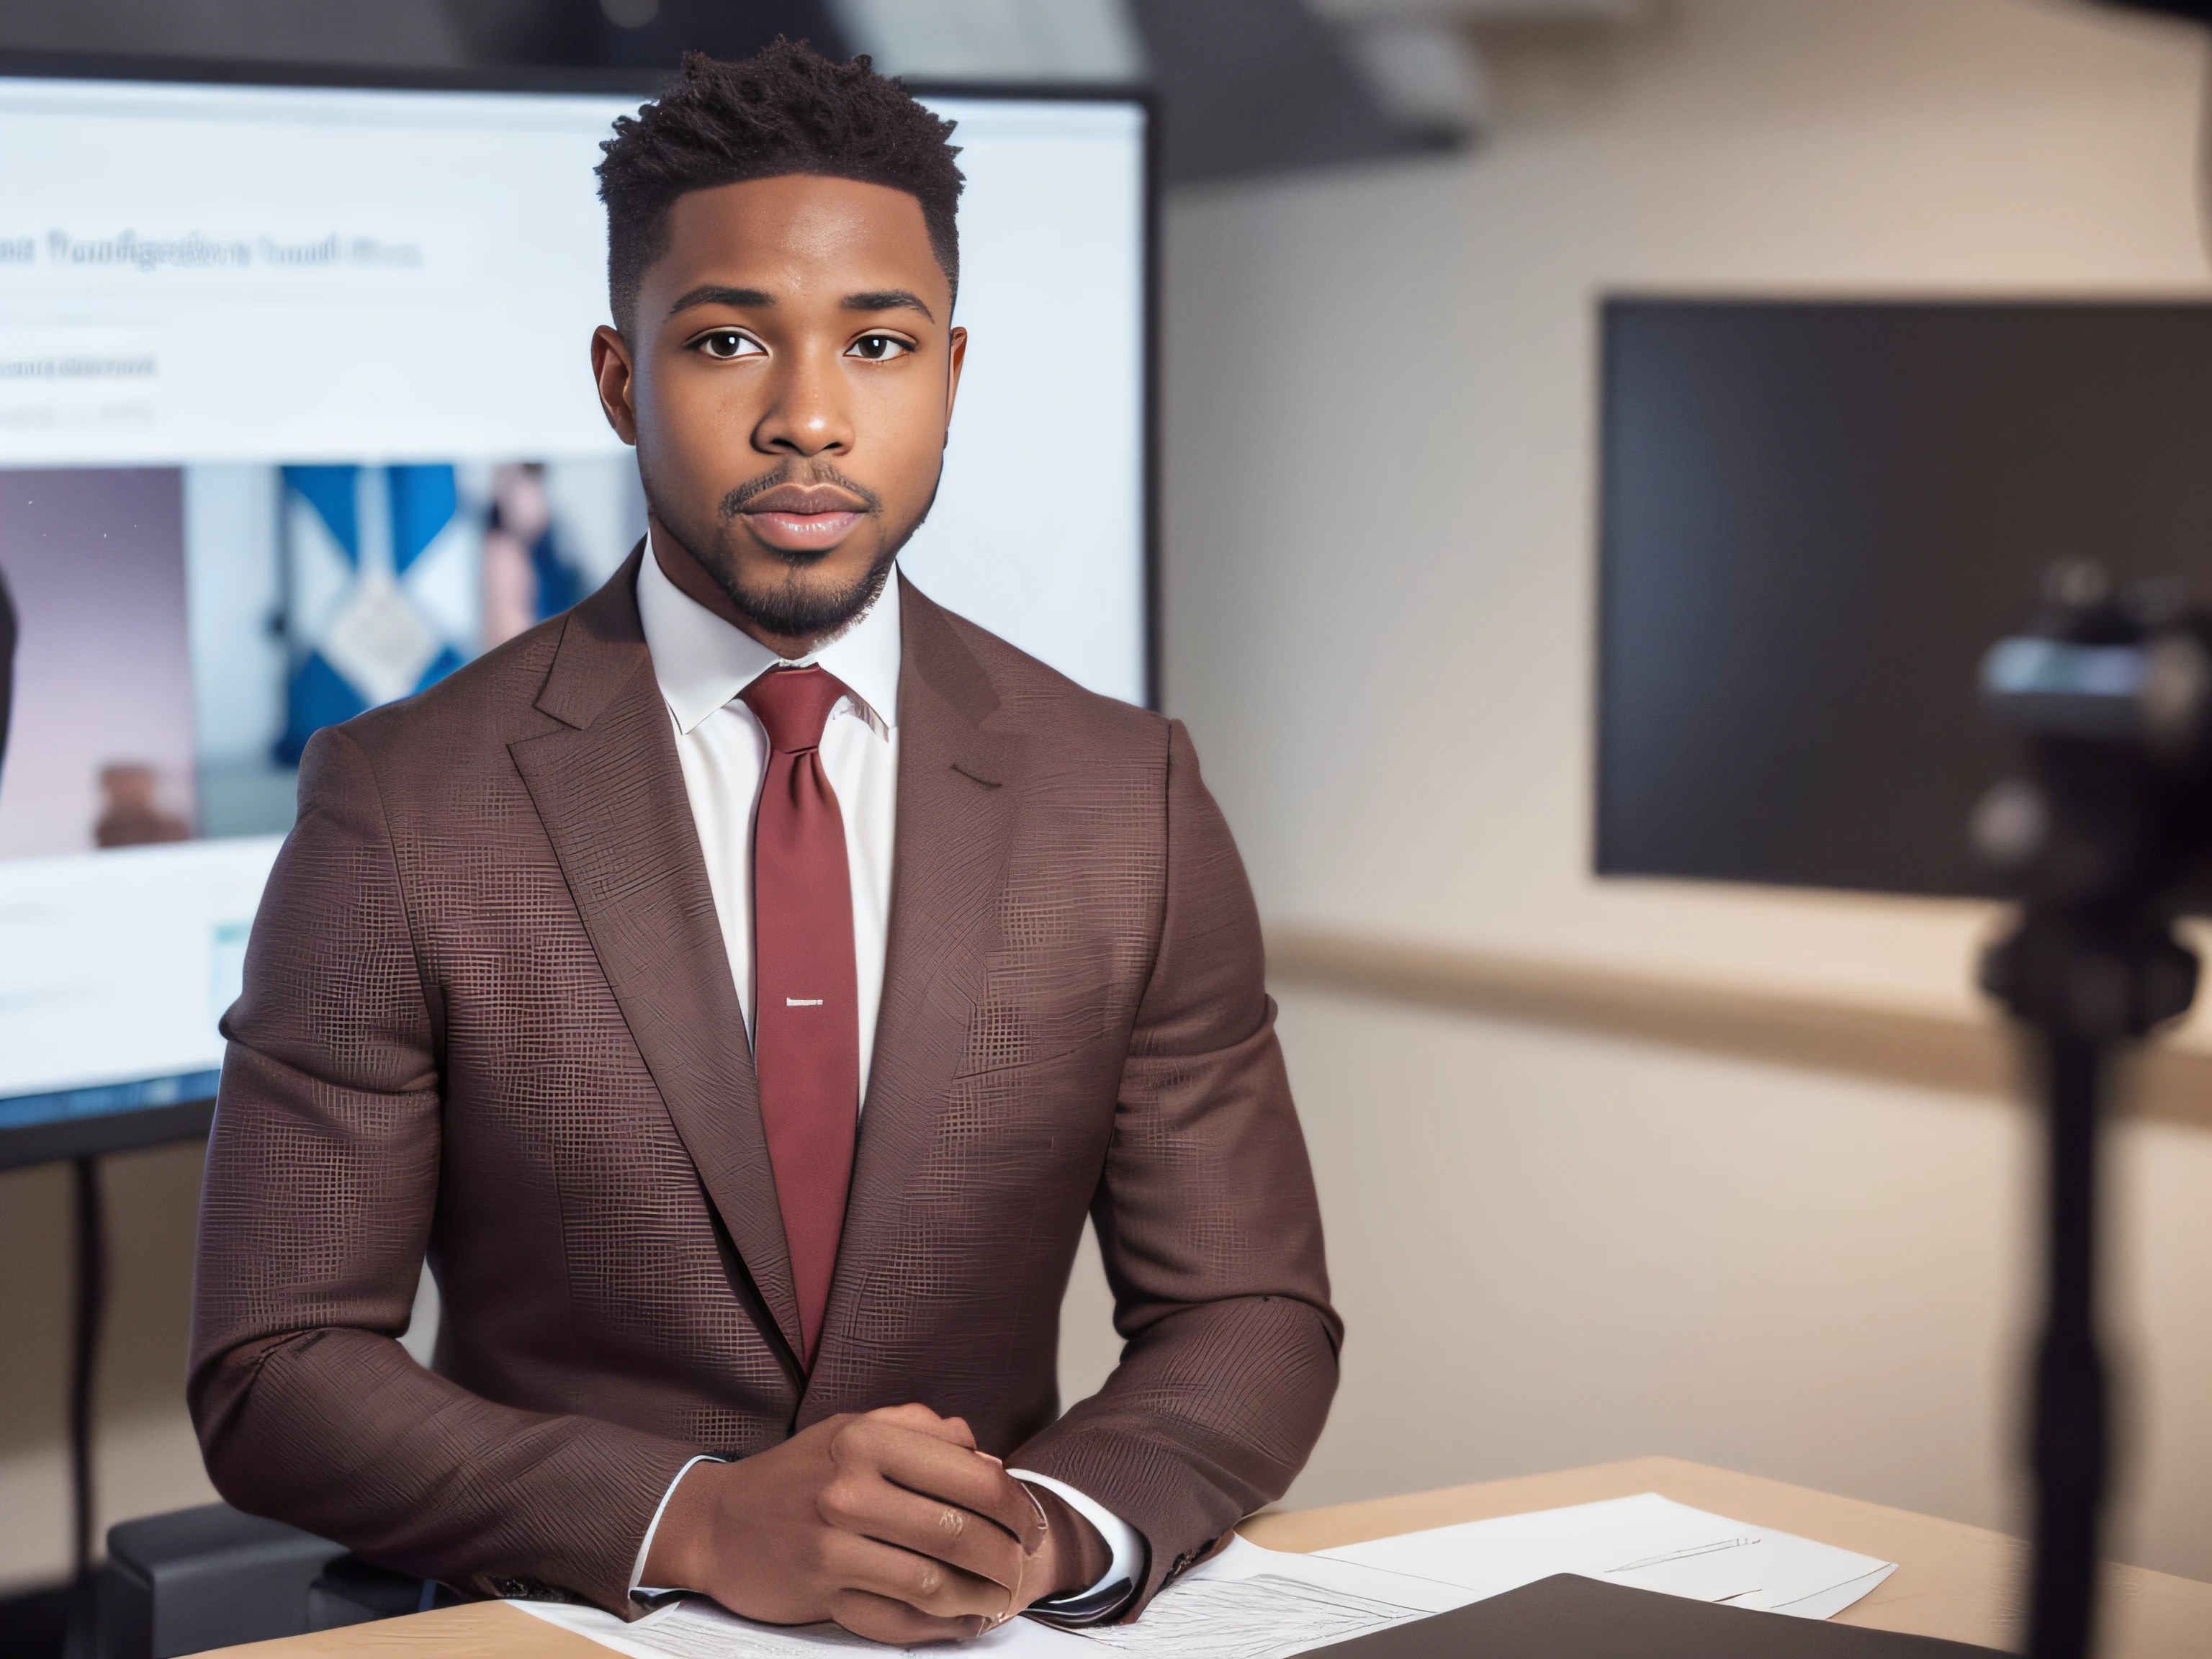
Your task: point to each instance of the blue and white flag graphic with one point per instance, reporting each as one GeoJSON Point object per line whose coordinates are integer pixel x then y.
{"type": "Point", "coordinates": [383, 591]}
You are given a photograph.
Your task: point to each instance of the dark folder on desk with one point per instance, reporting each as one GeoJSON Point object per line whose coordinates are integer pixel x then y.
{"type": "Point", "coordinates": [1567, 1617]}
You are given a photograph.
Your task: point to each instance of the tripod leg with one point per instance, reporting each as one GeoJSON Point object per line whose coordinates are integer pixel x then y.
{"type": "Point", "coordinates": [2070, 1434]}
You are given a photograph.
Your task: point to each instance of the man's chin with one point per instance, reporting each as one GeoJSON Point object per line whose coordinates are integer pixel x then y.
{"type": "Point", "coordinates": [798, 609]}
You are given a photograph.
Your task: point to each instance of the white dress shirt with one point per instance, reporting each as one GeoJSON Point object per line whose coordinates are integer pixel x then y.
{"type": "Point", "coordinates": [703, 665]}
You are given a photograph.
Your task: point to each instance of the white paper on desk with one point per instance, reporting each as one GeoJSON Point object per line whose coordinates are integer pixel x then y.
{"type": "Point", "coordinates": [1246, 1603]}
{"type": "Point", "coordinates": [1254, 1603]}
{"type": "Point", "coordinates": [1648, 1542]}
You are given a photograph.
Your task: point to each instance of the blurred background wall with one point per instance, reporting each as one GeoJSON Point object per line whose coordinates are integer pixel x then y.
{"type": "Point", "coordinates": [1380, 394]}
{"type": "Point", "coordinates": [1552, 1247]}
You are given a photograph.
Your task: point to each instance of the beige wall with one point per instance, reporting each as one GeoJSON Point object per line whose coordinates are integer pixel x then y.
{"type": "Point", "coordinates": [1550, 1250]}
{"type": "Point", "coordinates": [1380, 513]}
{"type": "Point", "coordinates": [1381, 409]}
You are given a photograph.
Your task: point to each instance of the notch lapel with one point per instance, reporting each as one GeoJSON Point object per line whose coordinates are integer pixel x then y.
{"type": "Point", "coordinates": [956, 808]}
{"type": "Point", "coordinates": [609, 791]}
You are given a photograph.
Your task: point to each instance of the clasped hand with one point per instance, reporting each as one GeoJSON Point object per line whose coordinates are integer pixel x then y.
{"type": "Point", "coordinates": [891, 1523]}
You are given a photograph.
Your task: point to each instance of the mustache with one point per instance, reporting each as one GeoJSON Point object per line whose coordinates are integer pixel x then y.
{"type": "Point", "coordinates": [821, 472]}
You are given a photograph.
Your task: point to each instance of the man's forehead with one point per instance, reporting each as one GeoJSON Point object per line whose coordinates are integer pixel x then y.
{"type": "Point", "coordinates": [803, 214]}
{"type": "Point", "coordinates": [800, 231]}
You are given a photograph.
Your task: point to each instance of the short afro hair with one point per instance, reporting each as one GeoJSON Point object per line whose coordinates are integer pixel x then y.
{"type": "Point", "coordinates": [785, 110]}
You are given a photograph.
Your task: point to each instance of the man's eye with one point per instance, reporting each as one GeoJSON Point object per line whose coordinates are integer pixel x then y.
{"type": "Point", "coordinates": [878, 348]}
{"type": "Point", "coordinates": [727, 342]}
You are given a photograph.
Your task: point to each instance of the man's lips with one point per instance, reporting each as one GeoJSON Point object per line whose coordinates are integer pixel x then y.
{"type": "Point", "coordinates": [797, 519]}
{"type": "Point", "coordinates": [797, 530]}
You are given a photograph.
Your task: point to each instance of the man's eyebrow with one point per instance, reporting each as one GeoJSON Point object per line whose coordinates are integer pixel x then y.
{"type": "Point", "coordinates": [887, 299]}
{"type": "Point", "coordinates": [712, 294]}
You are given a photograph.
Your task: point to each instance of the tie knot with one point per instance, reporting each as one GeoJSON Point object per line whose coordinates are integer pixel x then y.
{"type": "Point", "coordinates": [793, 704]}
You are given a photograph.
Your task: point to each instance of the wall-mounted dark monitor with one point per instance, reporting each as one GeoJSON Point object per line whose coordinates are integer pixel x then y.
{"type": "Point", "coordinates": [296, 416]}
{"type": "Point", "coordinates": [1817, 517]}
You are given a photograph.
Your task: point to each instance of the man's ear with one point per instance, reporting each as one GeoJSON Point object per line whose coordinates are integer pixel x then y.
{"type": "Point", "coordinates": [959, 355]}
{"type": "Point", "coordinates": [611, 368]}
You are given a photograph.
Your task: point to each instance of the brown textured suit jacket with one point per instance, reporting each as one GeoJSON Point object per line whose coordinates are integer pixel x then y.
{"type": "Point", "coordinates": [488, 1014]}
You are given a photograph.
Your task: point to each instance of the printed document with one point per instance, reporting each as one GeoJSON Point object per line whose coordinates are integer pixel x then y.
{"type": "Point", "coordinates": [1646, 1542]}
{"type": "Point", "coordinates": [1254, 1603]}
{"type": "Point", "coordinates": [1246, 1603]}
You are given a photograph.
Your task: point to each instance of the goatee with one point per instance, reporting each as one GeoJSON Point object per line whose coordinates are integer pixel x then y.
{"type": "Point", "coordinates": [792, 609]}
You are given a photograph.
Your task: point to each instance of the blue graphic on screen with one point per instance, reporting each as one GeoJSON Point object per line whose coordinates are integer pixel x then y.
{"type": "Point", "coordinates": [383, 590]}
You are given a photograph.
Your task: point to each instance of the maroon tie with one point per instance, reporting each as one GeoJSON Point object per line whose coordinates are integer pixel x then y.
{"type": "Point", "coordinates": [806, 1033]}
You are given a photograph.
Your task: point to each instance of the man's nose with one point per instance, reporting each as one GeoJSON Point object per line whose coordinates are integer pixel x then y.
{"type": "Point", "coordinates": [810, 414]}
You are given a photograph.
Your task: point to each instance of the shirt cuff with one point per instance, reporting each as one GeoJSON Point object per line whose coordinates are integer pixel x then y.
{"type": "Point", "coordinates": [645, 1548]}
{"type": "Point", "coordinates": [1124, 1572]}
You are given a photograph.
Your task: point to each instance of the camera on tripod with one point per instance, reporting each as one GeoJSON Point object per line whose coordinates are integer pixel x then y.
{"type": "Point", "coordinates": [2108, 835]}
{"type": "Point", "coordinates": [2106, 839]}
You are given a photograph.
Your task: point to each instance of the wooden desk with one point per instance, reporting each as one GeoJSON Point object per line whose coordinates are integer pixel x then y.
{"type": "Point", "coordinates": [1952, 1580]}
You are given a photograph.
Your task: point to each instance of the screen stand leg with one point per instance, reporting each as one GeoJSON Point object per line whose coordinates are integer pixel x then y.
{"type": "Point", "coordinates": [91, 1304]}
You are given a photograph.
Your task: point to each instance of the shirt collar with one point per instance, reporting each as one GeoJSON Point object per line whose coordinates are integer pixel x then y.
{"type": "Point", "coordinates": [703, 662]}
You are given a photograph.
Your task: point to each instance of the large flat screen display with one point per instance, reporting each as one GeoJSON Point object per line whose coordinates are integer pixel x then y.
{"type": "Point", "coordinates": [296, 418]}
{"type": "Point", "coordinates": [1818, 517]}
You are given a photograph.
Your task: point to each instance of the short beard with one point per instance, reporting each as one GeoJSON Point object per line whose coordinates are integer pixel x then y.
{"type": "Point", "coordinates": [787, 608]}
{"type": "Point", "coordinates": [791, 611]}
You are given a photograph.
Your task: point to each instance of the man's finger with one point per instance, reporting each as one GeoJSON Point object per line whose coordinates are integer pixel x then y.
{"type": "Point", "coordinates": [979, 1485]}
{"type": "Point", "coordinates": [922, 1420]}
{"type": "Point", "coordinates": [881, 1619]}
{"type": "Point", "coordinates": [923, 1582]}
{"type": "Point", "coordinates": [874, 1508]}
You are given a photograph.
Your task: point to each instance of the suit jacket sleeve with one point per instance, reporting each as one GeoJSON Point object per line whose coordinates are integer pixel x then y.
{"type": "Point", "coordinates": [321, 1185]}
{"type": "Point", "coordinates": [1208, 1226]}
